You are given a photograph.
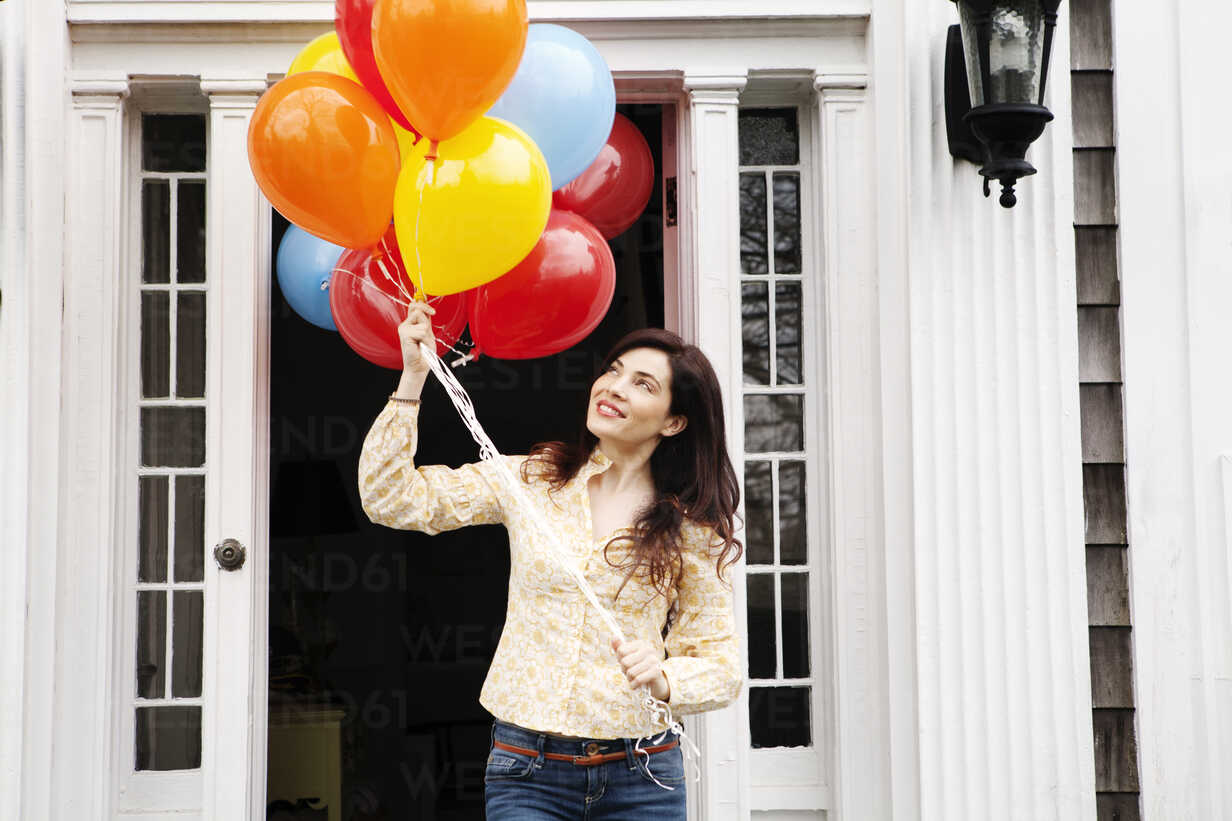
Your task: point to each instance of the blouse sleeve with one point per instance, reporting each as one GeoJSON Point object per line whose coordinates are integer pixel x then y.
{"type": "Point", "coordinates": [703, 649]}
{"type": "Point", "coordinates": [430, 499]}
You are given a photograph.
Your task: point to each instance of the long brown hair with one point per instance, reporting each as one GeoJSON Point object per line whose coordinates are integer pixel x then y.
{"type": "Point", "coordinates": [692, 473]}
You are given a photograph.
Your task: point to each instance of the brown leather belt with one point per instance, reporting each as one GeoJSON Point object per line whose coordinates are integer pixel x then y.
{"type": "Point", "coordinates": [582, 760]}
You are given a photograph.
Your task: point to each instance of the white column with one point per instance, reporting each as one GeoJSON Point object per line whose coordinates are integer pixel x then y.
{"type": "Point", "coordinates": [984, 555]}
{"type": "Point", "coordinates": [710, 317]}
{"type": "Point", "coordinates": [89, 463]}
{"type": "Point", "coordinates": [237, 432]}
{"type": "Point", "coordinates": [1176, 287]}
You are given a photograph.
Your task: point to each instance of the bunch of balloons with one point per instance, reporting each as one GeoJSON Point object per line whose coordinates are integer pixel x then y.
{"type": "Point", "coordinates": [447, 150]}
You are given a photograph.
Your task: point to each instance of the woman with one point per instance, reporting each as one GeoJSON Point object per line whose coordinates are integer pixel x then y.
{"type": "Point", "coordinates": [644, 503]}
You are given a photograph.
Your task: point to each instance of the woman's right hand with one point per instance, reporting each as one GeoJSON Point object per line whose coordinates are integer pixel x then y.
{"type": "Point", "coordinates": [416, 328]}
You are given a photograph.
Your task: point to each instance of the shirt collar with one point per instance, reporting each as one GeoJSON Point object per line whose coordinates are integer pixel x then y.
{"type": "Point", "coordinates": [597, 463]}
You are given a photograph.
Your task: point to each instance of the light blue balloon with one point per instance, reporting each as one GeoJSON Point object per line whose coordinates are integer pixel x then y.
{"type": "Point", "coordinates": [305, 265]}
{"type": "Point", "coordinates": [563, 97]}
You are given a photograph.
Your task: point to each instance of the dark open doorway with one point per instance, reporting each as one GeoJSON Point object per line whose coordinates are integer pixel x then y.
{"type": "Point", "coordinates": [380, 639]}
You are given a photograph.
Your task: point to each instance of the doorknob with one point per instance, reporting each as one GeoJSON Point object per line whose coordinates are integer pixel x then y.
{"type": "Point", "coordinates": [229, 554]}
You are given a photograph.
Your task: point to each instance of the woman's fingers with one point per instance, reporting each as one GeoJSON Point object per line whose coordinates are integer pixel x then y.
{"type": "Point", "coordinates": [645, 669]}
{"type": "Point", "coordinates": [638, 660]}
{"type": "Point", "coordinates": [416, 329]}
{"type": "Point", "coordinates": [418, 324]}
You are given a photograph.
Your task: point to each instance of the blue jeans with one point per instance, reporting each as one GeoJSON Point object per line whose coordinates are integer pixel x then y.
{"type": "Point", "coordinates": [521, 787]}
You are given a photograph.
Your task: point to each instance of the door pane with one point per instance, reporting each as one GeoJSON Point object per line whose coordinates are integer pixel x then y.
{"type": "Point", "coordinates": [786, 223]}
{"type": "Point", "coordinates": [755, 329]}
{"type": "Point", "coordinates": [758, 513]}
{"type": "Point", "coordinates": [190, 346]}
{"type": "Point", "coordinates": [156, 231]}
{"type": "Point", "coordinates": [168, 738]}
{"type": "Point", "coordinates": [760, 589]}
{"type": "Point", "coordinates": [190, 232]}
{"type": "Point", "coordinates": [151, 643]}
{"type": "Point", "coordinates": [769, 136]}
{"type": "Point", "coordinates": [773, 424]}
{"type": "Point", "coordinates": [795, 625]}
{"type": "Point", "coordinates": [173, 142]}
{"type": "Point", "coordinates": [155, 345]}
{"type": "Point", "coordinates": [186, 644]}
{"type": "Point", "coordinates": [754, 234]}
{"type": "Point", "coordinates": [787, 332]}
{"type": "Point", "coordinates": [152, 529]}
{"type": "Point", "coordinates": [189, 528]}
{"type": "Point", "coordinates": [793, 544]}
{"type": "Point", "coordinates": [173, 437]}
{"type": "Point", "coordinates": [780, 716]}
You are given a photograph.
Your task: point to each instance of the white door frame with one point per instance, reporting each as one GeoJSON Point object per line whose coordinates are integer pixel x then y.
{"type": "Point", "coordinates": [706, 62]}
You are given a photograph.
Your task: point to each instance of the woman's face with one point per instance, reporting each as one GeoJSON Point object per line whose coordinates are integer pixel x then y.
{"type": "Point", "coordinates": [630, 402]}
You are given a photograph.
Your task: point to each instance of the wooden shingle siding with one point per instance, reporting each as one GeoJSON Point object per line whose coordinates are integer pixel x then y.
{"type": "Point", "coordinates": [1104, 497]}
{"type": "Point", "coordinates": [1113, 806]}
{"type": "Point", "coordinates": [1092, 101]}
{"type": "Point", "coordinates": [1096, 256]}
{"type": "Point", "coordinates": [1095, 186]}
{"type": "Point", "coordinates": [1107, 586]}
{"type": "Point", "coordinates": [1095, 248]}
{"type": "Point", "coordinates": [1099, 344]}
{"type": "Point", "coordinates": [1090, 35]}
{"type": "Point", "coordinates": [1116, 751]}
{"type": "Point", "coordinates": [1103, 437]}
{"type": "Point", "coordinates": [1111, 683]}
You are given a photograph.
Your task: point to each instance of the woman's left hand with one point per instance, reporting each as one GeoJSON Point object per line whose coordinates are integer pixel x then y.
{"type": "Point", "coordinates": [643, 666]}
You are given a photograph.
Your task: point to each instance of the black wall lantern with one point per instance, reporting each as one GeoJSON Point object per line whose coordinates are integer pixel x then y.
{"type": "Point", "coordinates": [995, 70]}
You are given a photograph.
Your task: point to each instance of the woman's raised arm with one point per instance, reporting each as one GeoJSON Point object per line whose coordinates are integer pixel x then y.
{"type": "Point", "coordinates": [430, 499]}
{"type": "Point", "coordinates": [392, 490]}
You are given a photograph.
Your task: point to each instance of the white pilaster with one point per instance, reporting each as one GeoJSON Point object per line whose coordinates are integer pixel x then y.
{"type": "Point", "coordinates": [710, 317]}
{"type": "Point", "coordinates": [987, 361]}
{"type": "Point", "coordinates": [1176, 286]}
{"type": "Point", "coordinates": [237, 391]}
{"type": "Point", "coordinates": [845, 161]}
{"type": "Point", "coordinates": [34, 108]}
{"type": "Point", "coordinates": [90, 480]}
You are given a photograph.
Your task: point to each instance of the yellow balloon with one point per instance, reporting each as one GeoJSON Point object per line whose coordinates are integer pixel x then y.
{"type": "Point", "coordinates": [477, 213]}
{"type": "Point", "coordinates": [323, 54]}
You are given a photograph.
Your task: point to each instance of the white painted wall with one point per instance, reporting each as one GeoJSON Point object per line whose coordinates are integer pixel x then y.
{"type": "Point", "coordinates": [986, 695]}
{"type": "Point", "coordinates": [1175, 171]}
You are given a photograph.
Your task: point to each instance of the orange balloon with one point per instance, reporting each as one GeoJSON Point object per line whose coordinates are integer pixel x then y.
{"type": "Point", "coordinates": [447, 61]}
{"type": "Point", "coordinates": [324, 153]}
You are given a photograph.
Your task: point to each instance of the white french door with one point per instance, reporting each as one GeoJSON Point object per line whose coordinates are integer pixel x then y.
{"type": "Point", "coordinates": [191, 681]}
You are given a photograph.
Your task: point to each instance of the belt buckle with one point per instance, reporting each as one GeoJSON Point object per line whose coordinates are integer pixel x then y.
{"type": "Point", "coordinates": [593, 756]}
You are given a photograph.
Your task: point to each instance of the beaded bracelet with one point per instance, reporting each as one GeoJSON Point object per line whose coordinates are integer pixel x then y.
{"type": "Point", "coordinates": [414, 403]}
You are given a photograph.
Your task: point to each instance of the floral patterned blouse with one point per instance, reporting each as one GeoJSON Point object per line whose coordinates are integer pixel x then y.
{"type": "Point", "coordinates": [554, 669]}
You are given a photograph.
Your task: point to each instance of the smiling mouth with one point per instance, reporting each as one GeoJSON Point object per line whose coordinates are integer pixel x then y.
{"type": "Point", "coordinates": [608, 409]}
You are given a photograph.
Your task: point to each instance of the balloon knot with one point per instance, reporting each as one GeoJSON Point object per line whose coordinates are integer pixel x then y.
{"type": "Point", "coordinates": [431, 155]}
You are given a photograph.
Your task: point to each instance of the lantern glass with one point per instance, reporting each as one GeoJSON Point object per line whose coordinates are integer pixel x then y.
{"type": "Point", "coordinates": [1015, 31]}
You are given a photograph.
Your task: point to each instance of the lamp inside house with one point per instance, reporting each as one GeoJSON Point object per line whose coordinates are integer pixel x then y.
{"type": "Point", "coordinates": [996, 71]}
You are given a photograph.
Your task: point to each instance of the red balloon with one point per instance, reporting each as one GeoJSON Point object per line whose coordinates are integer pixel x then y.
{"type": "Point", "coordinates": [552, 299]}
{"type": "Point", "coordinates": [612, 193]}
{"type": "Point", "coordinates": [368, 305]}
{"type": "Point", "coordinates": [353, 22]}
